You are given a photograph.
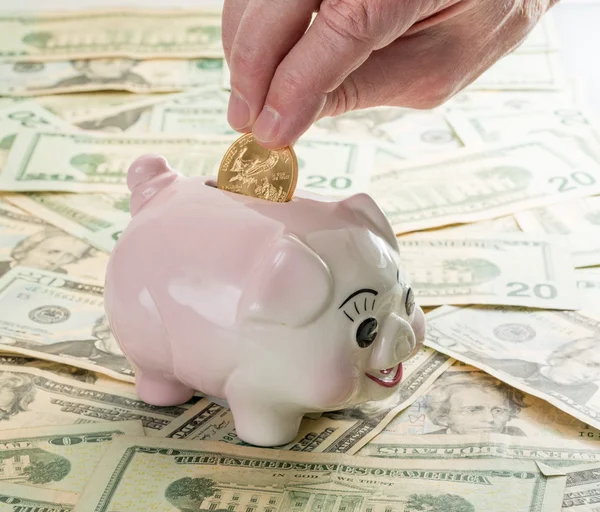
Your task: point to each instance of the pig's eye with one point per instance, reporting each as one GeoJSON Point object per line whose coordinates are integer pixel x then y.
{"type": "Point", "coordinates": [409, 303]}
{"type": "Point", "coordinates": [366, 332]}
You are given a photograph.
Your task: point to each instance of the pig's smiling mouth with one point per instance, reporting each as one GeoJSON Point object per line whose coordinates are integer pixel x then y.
{"type": "Point", "coordinates": [387, 378]}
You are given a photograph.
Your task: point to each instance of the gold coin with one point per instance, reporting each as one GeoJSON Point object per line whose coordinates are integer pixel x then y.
{"type": "Point", "coordinates": [249, 169]}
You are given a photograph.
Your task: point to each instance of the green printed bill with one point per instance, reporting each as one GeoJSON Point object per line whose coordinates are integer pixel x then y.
{"type": "Point", "coordinates": [588, 287]}
{"type": "Point", "coordinates": [42, 393]}
{"type": "Point", "coordinates": [571, 125]}
{"type": "Point", "coordinates": [140, 474]}
{"type": "Point", "coordinates": [412, 132]}
{"type": "Point", "coordinates": [480, 269]}
{"type": "Point", "coordinates": [582, 489]}
{"type": "Point", "coordinates": [60, 318]}
{"type": "Point", "coordinates": [60, 457]}
{"type": "Point", "coordinates": [553, 452]}
{"type": "Point", "coordinates": [25, 115]}
{"type": "Point", "coordinates": [549, 354]}
{"type": "Point", "coordinates": [577, 220]}
{"type": "Point", "coordinates": [500, 125]}
{"type": "Point", "coordinates": [110, 33]}
{"type": "Point", "coordinates": [106, 74]}
{"type": "Point", "coordinates": [74, 162]}
{"type": "Point", "coordinates": [343, 431]}
{"type": "Point", "coordinates": [24, 498]}
{"type": "Point", "coordinates": [98, 219]}
{"type": "Point", "coordinates": [542, 38]}
{"type": "Point", "coordinates": [210, 102]}
{"type": "Point", "coordinates": [523, 71]}
{"type": "Point", "coordinates": [82, 106]}
{"type": "Point", "coordinates": [467, 401]}
{"type": "Point", "coordinates": [474, 185]}
{"type": "Point", "coordinates": [27, 240]}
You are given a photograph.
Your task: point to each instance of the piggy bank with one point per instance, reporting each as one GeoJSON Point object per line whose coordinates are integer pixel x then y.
{"type": "Point", "coordinates": [280, 309]}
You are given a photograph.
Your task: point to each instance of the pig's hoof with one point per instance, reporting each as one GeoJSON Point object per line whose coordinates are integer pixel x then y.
{"type": "Point", "coordinates": [162, 392]}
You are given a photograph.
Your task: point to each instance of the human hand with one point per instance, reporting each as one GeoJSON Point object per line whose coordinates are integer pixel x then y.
{"type": "Point", "coordinates": [359, 54]}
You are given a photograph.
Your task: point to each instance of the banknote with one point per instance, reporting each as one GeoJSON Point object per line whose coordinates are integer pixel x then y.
{"type": "Point", "coordinates": [412, 133]}
{"type": "Point", "coordinates": [548, 354]}
{"type": "Point", "coordinates": [588, 287]}
{"type": "Point", "coordinates": [523, 71]}
{"type": "Point", "coordinates": [35, 396]}
{"type": "Point", "coordinates": [208, 119]}
{"type": "Point", "coordinates": [106, 74]}
{"type": "Point", "coordinates": [502, 225]}
{"type": "Point", "coordinates": [130, 118]}
{"type": "Point", "coordinates": [25, 498]}
{"type": "Point", "coordinates": [25, 115]}
{"type": "Point", "coordinates": [582, 489]}
{"type": "Point", "coordinates": [554, 453]}
{"type": "Point", "coordinates": [82, 106]}
{"type": "Point", "coordinates": [97, 219]}
{"type": "Point", "coordinates": [28, 240]}
{"type": "Point", "coordinates": [343, 431]}
{"type": "Point", "coordinates": [489, 126]}
{"type": "Point", "coordinates": [60, 318]}
{"type": "Point", "coordinates": [74, 162]}
{"type": "Point", "coordinates": [542, 38]}
{"type": "Point", "coordinates": [467, 401]}
{"type": "Point", "coordinates": [480, 269]}
{"type": "Point", "coordinates": [40, 37]}
{"type": "Point", "coordinates": [61, 457]}
{"type": "Point", "coordinates": [510, 101]}
{"type": "Point", "coordinates": [100, 380]}
{"type": "Point", "coordinates": [472, 185]}
{"type": "Point", "coordinates": [139, 474]}
{"type": "Point", "coordinates": [147, 115]}
{"type": "Point", "coordinates": [571, 125]}
{"type": "Point", "coordinates": [577, 220]}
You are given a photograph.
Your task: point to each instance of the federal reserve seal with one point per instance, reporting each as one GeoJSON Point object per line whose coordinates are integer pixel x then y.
{"type": "Point", "coordinates": [49, 314]}
{"type": "Point", "coordinates": [516, 333]}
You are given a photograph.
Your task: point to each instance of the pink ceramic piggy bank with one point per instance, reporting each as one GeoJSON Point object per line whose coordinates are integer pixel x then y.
{"type": "Point", "coordinates": [278, 308]}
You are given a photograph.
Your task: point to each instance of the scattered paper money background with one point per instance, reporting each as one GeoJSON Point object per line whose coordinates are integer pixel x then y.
{"type": "Point", "coordinates": [494, 196]}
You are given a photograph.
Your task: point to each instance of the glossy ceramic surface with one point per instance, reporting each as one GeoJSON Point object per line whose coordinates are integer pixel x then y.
{"type": "Point", "coordinates": [279, 308]}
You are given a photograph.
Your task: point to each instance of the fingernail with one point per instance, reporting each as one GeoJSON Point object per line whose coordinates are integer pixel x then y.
{"type": "Point", "coordinates": [238, 113]}
{"type": "Point", "coordinates": [267, 125]}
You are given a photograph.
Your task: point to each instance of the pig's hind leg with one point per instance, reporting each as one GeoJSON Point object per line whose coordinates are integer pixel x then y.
{"type": "Point", "coordinates": [159, 390]}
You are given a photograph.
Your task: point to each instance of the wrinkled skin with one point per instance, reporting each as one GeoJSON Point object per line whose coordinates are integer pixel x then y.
{"type": "Point", "coordinates": [359, 54]}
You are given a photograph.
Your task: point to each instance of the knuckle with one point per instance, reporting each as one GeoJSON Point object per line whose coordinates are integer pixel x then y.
{"type": "Point", "coordinates": [351, 19]}
{"type": "Point", "coordinates": [244, 64]}
{"type": "Point", "coordinates": [290, 83]}
{"type": "Point", "coordinates": [346, 98]}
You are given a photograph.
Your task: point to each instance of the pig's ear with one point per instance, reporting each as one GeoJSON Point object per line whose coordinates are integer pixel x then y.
{"type": "Point", "coordinates": [146, 176]}
{"type": "Point", "coordinates": [291, 287]}
{"type": "Point", "coordinates": [371, 216]}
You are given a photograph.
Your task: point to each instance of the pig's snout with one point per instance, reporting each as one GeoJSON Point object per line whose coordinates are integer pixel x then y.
{"type": "Point", "coordinates": [395, 344]}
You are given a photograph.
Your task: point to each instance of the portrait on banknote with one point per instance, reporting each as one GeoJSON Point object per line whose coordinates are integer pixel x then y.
{"type": "Point", "coordinates": [103, 71]}
{"type": "Point", "coordinates": [47, 249]}
{"type": "Point", "coordinates": [459, 404]}
{"type": "Point", "coordinates": [572, 369]}
{"type": "Point", "coordinates": [17, 391]}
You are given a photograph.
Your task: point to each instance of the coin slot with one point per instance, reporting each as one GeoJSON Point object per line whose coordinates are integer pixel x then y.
{"type": "Point", "coordinates": [211, 183]}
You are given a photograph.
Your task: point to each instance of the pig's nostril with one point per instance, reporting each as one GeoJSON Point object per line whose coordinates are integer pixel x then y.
{"type": "Point", "coordinates": [211, 183]}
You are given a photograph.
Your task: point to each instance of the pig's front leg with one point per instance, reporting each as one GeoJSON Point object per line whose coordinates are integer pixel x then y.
{"type": "Point", "coordinates": [261, 424]}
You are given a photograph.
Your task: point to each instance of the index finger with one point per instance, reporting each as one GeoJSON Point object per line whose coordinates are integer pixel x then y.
{"type": "Point", "coordinates": [266, 33]}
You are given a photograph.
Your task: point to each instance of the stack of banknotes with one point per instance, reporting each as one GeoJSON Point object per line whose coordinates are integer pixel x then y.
{"type": "Point", "coordinates": [495, 197]}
